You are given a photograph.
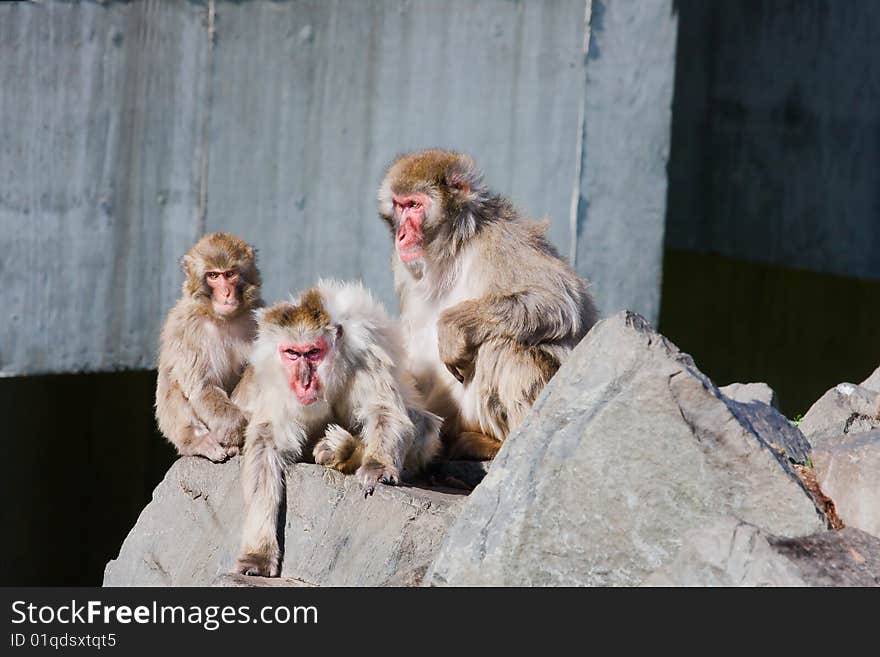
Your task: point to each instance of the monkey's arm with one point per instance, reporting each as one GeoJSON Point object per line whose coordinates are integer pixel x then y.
{"type": "Point", "coordinates": [192, 369]}
{"type": "Point", "coordinates": [386, 428]}
{"type": "Point", "coordinates": [530, 317]}
{"type": "Point", "coordinates": [243, 395]}
{"type": "Point", "coordinates": [224, 419]}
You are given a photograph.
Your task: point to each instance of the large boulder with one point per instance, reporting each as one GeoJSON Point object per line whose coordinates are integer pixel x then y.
{"type": "Point", "coordinates": [848, 470]}
{"type": "Point", "coordinates": [735, 553]}
{"type": "Point", "coordinates": [873, 381]}
{"type": "Point", "coordinates": [629, 447]}
{"type": "Point", "coordinates": [845, 409]}
{"type": "Point", "coordinates": [751, 392]}
{"type": "Point", "coordinates": [189, 534]}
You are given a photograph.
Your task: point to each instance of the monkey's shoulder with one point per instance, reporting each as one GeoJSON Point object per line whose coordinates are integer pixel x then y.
{"type": "Point", "coordinates": [519, 244]}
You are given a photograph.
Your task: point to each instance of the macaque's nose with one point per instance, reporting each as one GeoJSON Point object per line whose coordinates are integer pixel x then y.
{"type": "Point", "coordinates": [406, 228]}
{"type": "Point", "coordinates": [305, 375]}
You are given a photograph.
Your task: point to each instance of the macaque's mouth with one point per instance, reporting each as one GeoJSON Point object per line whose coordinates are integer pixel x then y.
{"type": "Point", "coordinates": [307, 392]}
{"type": "Point", "coordinates": [225, 307]}
{"type": "Point", "coordinates": [308, 395]}
{"type": "Point", "coordinates": [409, 243]}
{"type": "Point", "coordinates": [410, 253]}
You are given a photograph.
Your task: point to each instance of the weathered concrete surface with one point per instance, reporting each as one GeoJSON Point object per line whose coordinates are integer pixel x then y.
{"type": "Point", "coordinates": [620, 207]}
{"type": "Point", "coordinates": [734, 553]}
{"type": "Point", "coordinates": [312, 99]}
{"type": "Point", "coordinates": [101, 110]}
{"type": "Point", "coordinates": [751, 392]}
{"type": "Point", "coordinates": [845, 409]}
{"type": "Point", "coordinates": [189, 535]}
{"type": "Point", "coordinates": [628, 447]}
{"type": "Point", "coordinates": [848, 470]}
{"type": "Point", "coordinates": [776, 136]}
{"type": "Point", "coordinates": [129, 128]}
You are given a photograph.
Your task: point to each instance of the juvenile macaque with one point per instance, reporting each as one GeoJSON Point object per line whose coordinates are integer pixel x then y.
{"type": "Point", "coordinates": [204, 347]}
{"type": "Point", "coordinates": [488, 307]}
{"type": "Point", "coordinates": [326, 378]}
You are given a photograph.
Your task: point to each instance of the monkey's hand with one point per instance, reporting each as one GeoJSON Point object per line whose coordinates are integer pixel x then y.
{"type": "Point", "coordinates": [457, 340]}
{"type": "Point", "coordinates": [230, 432]}
{"type": "Point", "coordinates": [372, 472]}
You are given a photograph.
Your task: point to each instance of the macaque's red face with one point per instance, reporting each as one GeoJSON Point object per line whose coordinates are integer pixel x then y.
{"type": "Point", "coordinates": [301, 362]}
{"type": "Point", "coordinates": [409, 210]}
{"type": "Point", "coordinates": [225, 297]}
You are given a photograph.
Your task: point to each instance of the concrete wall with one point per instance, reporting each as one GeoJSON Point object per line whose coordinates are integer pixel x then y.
{"type": "Point", "coordinates": [620, 210]}
{"type": "Point", "coordinates": [776, 139]}
{"type": "Point", "coordinates": [128, 129]}
{"type": "Point", "coordinates": [101, 108]}
{"type": "Point", "coordinates": [344, 86]}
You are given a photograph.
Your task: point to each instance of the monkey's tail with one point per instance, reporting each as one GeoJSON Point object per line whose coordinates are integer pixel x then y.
{"type": "Point", "coordinates": [339, 450]}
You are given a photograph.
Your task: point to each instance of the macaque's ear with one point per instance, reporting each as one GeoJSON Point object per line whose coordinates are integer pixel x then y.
{"type": "Point", "coordinates": [339, 331]}
{"type": "Point", "coordinates": [459, 182]}
{"type": "Point", "coordinates": [188, 264]}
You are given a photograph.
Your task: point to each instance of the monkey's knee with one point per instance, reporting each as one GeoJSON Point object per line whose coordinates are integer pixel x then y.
{"type": "Point", "coordinates": [208, 447]}
{"type": "Point", "coordinates": [508, 386]}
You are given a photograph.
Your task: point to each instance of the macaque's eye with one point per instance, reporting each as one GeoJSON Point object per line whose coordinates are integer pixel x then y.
{"type": "Point", "coordinates": [293, 354]}
{"type": "Point", "coordinates": [313, 354]}
{"type": "Point", "coordinates": [415, 204]}
{"type": "Point", "coordinates": [213, 275]}
{"type": "Point", "coordinates": [231, 274]}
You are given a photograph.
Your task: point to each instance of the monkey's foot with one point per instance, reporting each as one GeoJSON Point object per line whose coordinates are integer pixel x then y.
{"type": "Point", "coordinates": [339, 450]}
{"type": "Point", "coordinates": [372, 473]}
{"type": "Point", "coordinates": [208, 447]}
{"type": "Point", "coordinates": [254, 563]}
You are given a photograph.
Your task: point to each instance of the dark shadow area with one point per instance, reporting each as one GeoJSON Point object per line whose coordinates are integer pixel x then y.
{"type": "Point", "coordinates": [773, 210]}
{"type": "Point", "coordinates": [799, 331]}
{"type": "Point", "coordinates": [82, 456]}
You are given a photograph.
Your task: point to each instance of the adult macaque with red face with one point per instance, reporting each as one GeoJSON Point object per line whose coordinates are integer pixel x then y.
{"type": "Point", "coordinates": [327, 379]}
{"type": "Point", "coordinates": [488, 307]}
{"type": "Point", "coordinates": [204, 346]}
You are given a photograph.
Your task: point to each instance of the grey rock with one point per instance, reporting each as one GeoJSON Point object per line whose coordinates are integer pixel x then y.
{"type": "Point", "coordinates": [845, 409]}
{"type": "Point", "coordinates": [849, 557]}
{"type": "Point", "coordinates": [234, 580]}
{"type": "Point", "coordinates": [751, 392]}
{"type": "Point", "coordinates": [848, 470]}
{"type": "Point", "coordinates": [730, 553]}
{"type": "Point", "coordinates": [627, 448]}
{"type": "Point", "coordinates": [873, 381]}
{"type": "Point", "coordinates": [735, 553]}
{"type": "Point", "coordinates": [189, 534]}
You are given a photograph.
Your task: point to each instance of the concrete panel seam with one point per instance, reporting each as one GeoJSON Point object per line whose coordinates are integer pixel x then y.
{"type": "Point", "coordinates": [581, 136]}
{"type": "Point", "coordinates": [206, 122]}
